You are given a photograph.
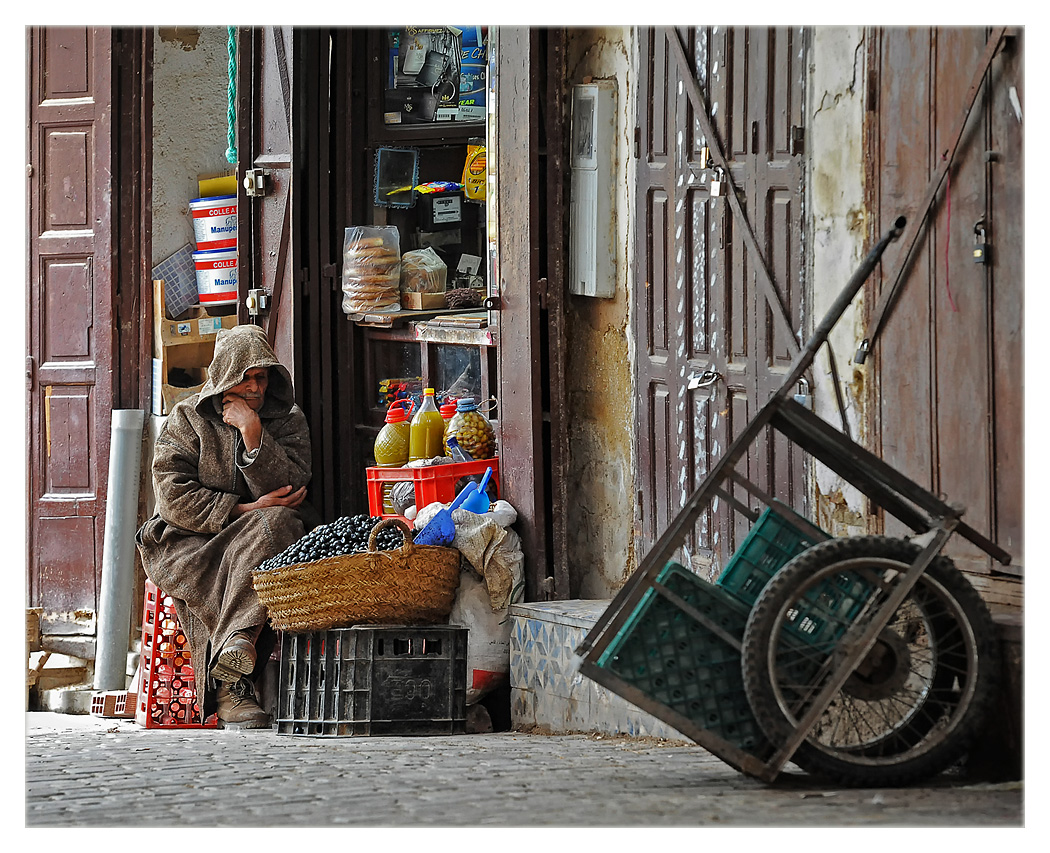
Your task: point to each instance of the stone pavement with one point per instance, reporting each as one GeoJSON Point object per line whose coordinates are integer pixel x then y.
{"type": "Point", "coordinates": [84, 771]}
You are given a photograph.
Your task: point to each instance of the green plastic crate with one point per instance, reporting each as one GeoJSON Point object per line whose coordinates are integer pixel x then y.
{"type": "Point", "coordinates": [771, 542]}
{"type": "Point", "coordinates": [680, 663]}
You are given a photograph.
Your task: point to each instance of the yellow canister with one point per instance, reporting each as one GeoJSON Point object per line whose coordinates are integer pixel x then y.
{"type": "Point", "coordinates": [391, 447]}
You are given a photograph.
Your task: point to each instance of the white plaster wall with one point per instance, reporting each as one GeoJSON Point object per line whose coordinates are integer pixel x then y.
{"type": "Point", "coordinates": [189, 126]}
{"type": "Point", "coordinates": [601, 353]}
{"type": "Point", "coordinates": [839, 224]}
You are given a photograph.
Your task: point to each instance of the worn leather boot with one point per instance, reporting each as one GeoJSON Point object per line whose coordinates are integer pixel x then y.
{"type": "Point", "coordinates": [237, 657]}
{"type": "Point", "coordinates": [237, 707]}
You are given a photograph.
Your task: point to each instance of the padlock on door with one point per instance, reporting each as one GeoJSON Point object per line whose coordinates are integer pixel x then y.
{"type": "Point", "coordinates": [803, 397]}
{"type": "Point", "coordinates": [717, 183]}
{"type": "Point", "coordinates": [980, 243]}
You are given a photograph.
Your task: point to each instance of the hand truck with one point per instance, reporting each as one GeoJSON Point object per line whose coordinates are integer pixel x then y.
{"type": "Point", "coordinates": [869, 660]}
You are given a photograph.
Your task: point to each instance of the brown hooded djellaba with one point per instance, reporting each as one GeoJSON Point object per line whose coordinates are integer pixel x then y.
{"type": "Point", "coordinates": [192, 548]}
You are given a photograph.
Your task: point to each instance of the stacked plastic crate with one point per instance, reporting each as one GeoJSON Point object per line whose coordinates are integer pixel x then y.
{"type": "Point", "coordinates": [167, 696]}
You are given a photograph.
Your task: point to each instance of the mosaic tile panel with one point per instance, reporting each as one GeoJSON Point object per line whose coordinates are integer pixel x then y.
{"type": "Point", "coordinates": [546, 687]}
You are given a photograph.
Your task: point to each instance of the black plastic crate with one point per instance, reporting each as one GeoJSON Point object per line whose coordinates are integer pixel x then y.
{"type": "Point", "coordinates": [685, 666]}
{"type": "Point", "coordinates": [373, 680]}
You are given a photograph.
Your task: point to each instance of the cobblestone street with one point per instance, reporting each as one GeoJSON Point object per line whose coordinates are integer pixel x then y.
{"type": "Point", "coordinates": [96, 772]}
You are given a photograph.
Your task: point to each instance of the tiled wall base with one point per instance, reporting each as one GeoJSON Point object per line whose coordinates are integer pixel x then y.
{"type": "Point", "coordinates": [546, 688]}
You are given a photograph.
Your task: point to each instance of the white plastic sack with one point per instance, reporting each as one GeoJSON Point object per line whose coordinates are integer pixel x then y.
{"type": "Point", "coordinates": [488, 640]}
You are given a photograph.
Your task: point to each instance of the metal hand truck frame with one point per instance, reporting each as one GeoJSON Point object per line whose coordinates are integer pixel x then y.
{"type": "Point", "coordinates": [956, 638]}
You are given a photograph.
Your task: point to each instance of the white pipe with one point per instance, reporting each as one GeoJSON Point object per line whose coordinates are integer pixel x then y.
{"type": "Point", "coordinates": [118, 550]}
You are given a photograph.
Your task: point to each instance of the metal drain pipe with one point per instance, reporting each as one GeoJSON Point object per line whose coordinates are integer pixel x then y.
{"type": "Point", "coordinates": [118, 550]}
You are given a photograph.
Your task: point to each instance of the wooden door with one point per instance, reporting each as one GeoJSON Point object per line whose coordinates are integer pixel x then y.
{"type": "Point", "coordinates": [714, 337]}
{"type": "Point", "coordinates": [950, 356]}
{"type": "Point", "coordinates": [70, 331]}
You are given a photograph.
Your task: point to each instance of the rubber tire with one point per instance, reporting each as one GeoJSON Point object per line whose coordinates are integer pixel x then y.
{"type": "Point", "coordinates": [848, 767]}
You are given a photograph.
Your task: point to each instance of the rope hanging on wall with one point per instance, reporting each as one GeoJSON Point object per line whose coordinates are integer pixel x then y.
{"type": "Point", "coordinates": [231, 90]}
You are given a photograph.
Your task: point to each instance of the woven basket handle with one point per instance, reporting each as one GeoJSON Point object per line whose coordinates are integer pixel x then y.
{"type": "Point", "coordinates": [386, 522]}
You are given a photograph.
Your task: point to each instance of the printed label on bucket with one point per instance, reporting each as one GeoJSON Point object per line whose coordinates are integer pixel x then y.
{"type": "Point", "coordinates": [216, 276]}
{"type": "Point", "coordinates": [215, 222]}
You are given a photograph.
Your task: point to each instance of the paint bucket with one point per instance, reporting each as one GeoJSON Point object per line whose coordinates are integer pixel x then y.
{"type": "Point", "coordinates": [215, 222]}
{"type": "Point", "coordinates": [216, 276]}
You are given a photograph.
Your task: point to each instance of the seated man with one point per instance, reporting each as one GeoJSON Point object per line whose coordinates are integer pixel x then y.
{"type": "Point", "coordinates": [230, 469]}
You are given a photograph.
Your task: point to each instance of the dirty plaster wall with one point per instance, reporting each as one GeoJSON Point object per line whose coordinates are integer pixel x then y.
{"type": "Point", "coordinates": [601, 355]}
{"type": "Point", "coordinates": [189, 126]}
{"type": "Point", "coordinates": [189, 139]}
{"type": "Point", "coordinates": [839, 224]}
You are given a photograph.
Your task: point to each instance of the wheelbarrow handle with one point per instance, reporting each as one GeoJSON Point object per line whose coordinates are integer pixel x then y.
{"type": "Point", "coordinates": [820, 334]}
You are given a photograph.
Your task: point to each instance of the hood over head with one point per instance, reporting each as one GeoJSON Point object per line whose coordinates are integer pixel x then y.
{"type": "Point", "coordinates": [237, 350]}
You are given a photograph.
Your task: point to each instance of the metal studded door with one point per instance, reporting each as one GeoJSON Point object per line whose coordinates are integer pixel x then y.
{"type": "Point", "coordinates": [70, 333]}
{"type": "Point", "coordinates": [718, 308]}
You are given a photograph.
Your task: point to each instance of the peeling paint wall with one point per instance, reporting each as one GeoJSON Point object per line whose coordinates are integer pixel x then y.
{"type": "Point", "coordinates": [189, 126]}
{"type": "Point", "coordinates": [839, 223]}
{"type": "Point", "coordinates": [601, 355]}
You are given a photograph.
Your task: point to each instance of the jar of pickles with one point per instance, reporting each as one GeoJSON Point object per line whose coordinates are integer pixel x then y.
{"type": "Point", "coordinates": [472, 430]}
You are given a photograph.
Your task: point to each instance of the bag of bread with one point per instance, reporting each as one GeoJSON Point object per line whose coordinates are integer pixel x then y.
{"type": "Point", "coordinates": [423, 271]}
{"type": "Point", "coordinates": [371, 269]}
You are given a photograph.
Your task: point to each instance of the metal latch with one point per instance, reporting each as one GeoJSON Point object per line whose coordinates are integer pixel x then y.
{"type": "Point", "coordinates": [256, 301]}
{"type": "Point", "coordinates": [257, 182]}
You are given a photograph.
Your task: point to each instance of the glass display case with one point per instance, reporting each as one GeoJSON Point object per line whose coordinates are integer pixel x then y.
{"type": "Point", "coordinates": [427, 113]}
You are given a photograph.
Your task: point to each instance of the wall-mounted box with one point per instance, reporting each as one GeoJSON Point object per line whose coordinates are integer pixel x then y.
{"type": "Point", "coordinates": [593, 231]}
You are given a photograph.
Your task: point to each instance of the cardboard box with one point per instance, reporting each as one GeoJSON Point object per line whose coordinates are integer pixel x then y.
{"type": "Point", "coordinates": [423, 301]}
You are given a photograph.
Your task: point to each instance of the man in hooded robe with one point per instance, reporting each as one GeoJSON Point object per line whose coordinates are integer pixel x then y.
{"type": "Point", "coordinates": [230, 469]}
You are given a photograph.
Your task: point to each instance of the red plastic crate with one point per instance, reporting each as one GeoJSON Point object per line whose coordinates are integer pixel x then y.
{"type": "Point", "coordinates": [433, 483]}
{"type": "Point", "coordinates": [167, 697]}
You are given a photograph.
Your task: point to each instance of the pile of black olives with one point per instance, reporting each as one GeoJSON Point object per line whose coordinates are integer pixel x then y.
{"type": "Point", "coordinates": [346, 535]}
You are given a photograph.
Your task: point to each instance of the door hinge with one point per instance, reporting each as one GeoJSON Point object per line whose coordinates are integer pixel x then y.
{"type": "Point", "coordinates": [30, 372]}
{"type": "Point", "coordinates": [637, 143]}
{"type": "Point", "coordinates": [331, 272]}
{"type": "Point", "coordinates": [798, 140]}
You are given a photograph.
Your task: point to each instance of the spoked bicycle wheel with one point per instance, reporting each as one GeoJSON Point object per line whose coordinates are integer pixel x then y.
{"type": "Point", "coordinates": [913, 704]}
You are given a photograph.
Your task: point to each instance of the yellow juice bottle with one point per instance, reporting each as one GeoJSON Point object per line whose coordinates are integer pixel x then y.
{"type": "Point", "coordinates": [427, 430]}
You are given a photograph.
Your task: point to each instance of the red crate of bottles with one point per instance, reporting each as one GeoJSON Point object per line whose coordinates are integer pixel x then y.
{"type": "Point", "coordinates": [167, 697]}
{"type": "Point", "coordinates": [432, 483]}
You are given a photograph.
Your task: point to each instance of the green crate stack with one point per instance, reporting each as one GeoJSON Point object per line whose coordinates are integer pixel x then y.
{"type": "Point", "coordinates": [682, 664]}
{"type": "Point", "coordinates": [771, 542]}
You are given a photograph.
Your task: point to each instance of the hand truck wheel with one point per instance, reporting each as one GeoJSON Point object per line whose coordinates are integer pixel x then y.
{"type": "Point", "coordinates": [914, 703]}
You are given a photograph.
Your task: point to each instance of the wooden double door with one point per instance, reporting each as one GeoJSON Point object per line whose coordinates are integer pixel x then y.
{"type": "Point", "coordinates": [719, 313]}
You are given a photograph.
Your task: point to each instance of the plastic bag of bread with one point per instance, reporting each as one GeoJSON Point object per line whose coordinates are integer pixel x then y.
{"type": "Point", "coordinates": [371, 269]}
{"type": "Point", "coordinates": [423, 271]}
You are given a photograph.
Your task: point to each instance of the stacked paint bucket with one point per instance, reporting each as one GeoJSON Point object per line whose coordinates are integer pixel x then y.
{"type": "Point", "coordinates": [215, 229]}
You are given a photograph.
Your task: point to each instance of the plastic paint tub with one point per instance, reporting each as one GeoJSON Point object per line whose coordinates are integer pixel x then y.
{"type": "Point", "coordinates": [216, 276]}
{"type": "Point", "coordinates": [215, 222]}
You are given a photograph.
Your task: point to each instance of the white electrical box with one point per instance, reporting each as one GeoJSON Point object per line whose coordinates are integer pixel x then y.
{"type": "Point", "coordinates": [593, 232]}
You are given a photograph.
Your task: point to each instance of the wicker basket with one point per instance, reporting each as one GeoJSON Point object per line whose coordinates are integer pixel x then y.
{"type": "Point", "coordinates": [412, 585]}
